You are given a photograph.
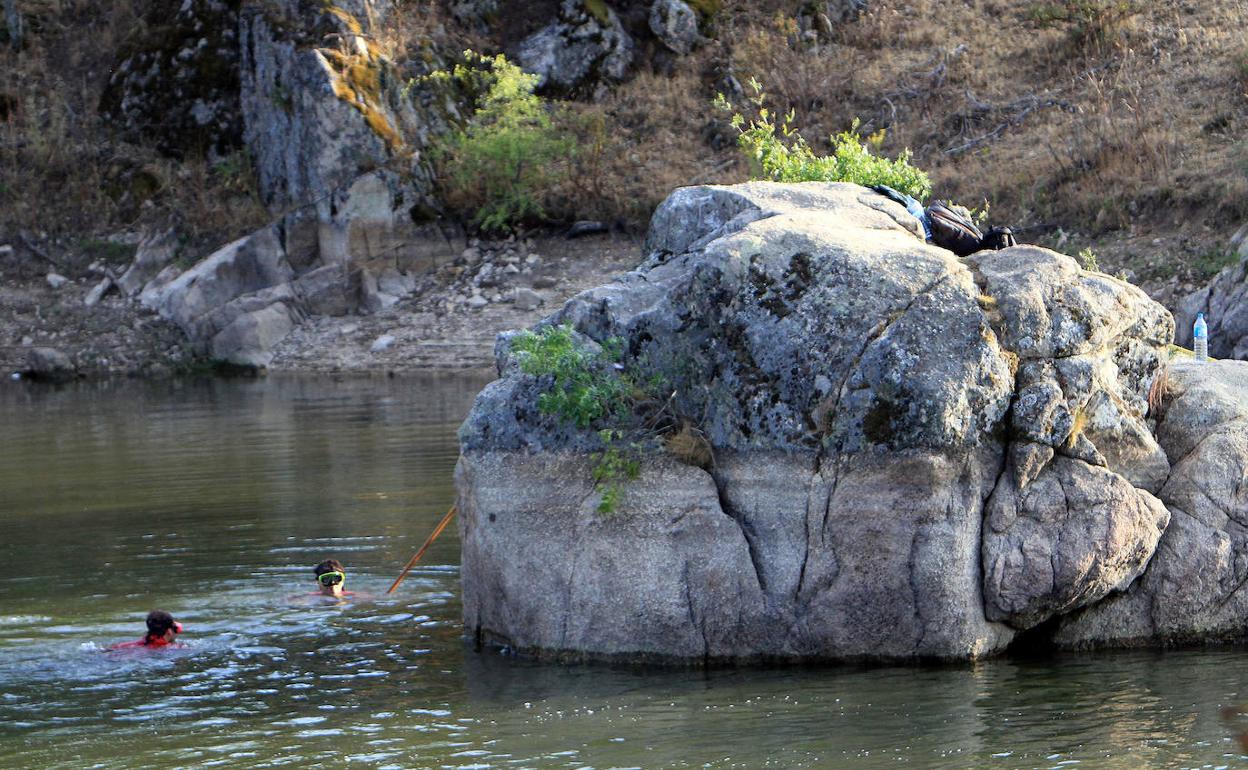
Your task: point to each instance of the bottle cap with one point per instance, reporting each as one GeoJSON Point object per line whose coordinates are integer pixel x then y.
{"type": "Point", "coordinates": [1200, 315]}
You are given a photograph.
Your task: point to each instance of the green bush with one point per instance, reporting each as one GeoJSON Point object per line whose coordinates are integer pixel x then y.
{"type": "Point", "coordinates": [586, 387]}
{"type": "Point", "coordinates": [586, 384]}
{"type": "Point", "coordinates": [497, 165]}
{"type": "Point", "coordinates": [1087, 260]}
{"type": "Point", "coordinates": [613, 468]}
{"type": "Point", "coordinates": [779, 153]}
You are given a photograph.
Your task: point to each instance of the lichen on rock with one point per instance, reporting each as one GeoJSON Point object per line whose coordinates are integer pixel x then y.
{"type": "Point", "coordinates": [323, 104]}
{"type": "Point", "coordinates": [889, 426]}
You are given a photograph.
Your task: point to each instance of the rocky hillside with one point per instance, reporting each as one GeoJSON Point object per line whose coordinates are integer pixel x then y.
{"type": "Point", "coordinates": [1096, 124]}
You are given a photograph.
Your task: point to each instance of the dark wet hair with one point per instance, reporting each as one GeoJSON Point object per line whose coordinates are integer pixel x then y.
{"type": "Point", "coordinates": [158, 623]}
{"type": "Point", "coordinates": [329, 565]}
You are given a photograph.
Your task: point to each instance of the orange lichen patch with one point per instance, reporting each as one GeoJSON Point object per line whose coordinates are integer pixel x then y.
{"type": "Point", "coordinates": [356, 78]}
{"type": "Point", "coordinates": [352, 23]}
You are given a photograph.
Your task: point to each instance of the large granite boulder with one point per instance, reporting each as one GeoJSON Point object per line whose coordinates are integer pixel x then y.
{"type": "Point", "coordinates": [239, 302]}
{"type": "Point", "coordinates": [871, 402]}
{"type": "Point", "coordinates": [1194, 588]}
{"type": "Point", "coordinates": [212, 301]}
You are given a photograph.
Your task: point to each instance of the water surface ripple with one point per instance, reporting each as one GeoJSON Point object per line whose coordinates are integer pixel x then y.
{"type": "Point", "coordinates": [212, 499]}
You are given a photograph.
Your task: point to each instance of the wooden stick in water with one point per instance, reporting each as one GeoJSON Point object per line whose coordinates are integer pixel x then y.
{"type": "Point", "coordinates": [434, 536]}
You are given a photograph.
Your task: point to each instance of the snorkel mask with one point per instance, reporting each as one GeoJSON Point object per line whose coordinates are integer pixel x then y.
{"type": "Point", "coordinates": [177, 627]}
{"type": "Point", "coordinates": [330, 579]}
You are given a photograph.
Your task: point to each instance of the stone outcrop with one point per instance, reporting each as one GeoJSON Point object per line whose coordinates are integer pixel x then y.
{"type": "Point", "coordinates": [354, 251]}
{"type": "Point", "coordinates": [1194, 588]}
{"type": "Point", "coordinates": [323, 104]}
{"type": "Point", "coordinates": [675, 24]}
{"type": "Point", "coordinates": [915, 456]}
{"type": "Point", "coordinates": [336, 134]}
{"type": "Point", "coordinates": [1224, 301]}
{"type": "Point", "coordinates": [154, 252]}
{"type": "Point", "coordinates": [177, 81]}
{"type": "Point", "coordinates": [585, 47]}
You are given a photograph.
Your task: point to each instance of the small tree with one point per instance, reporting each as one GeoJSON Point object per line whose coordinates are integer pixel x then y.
{"type": "Point", "coordinates": [779, 153]}
{"type": "Point", "coordinates": [507, 153]}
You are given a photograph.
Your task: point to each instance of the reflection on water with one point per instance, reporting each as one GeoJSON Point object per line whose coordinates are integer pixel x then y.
{"type": "Point", "coordinates": [213, 499]}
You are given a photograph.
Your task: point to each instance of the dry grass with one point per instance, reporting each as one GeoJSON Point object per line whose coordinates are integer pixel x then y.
{"type": "Point", "coordinates": [1106, 123]}
{"type": "Point", "coordinates": [636, 145]}
{"type": "Point", "coordinates": [64, 170]}
{"type": "Point", "coordinates": [1159, 390]}
{"type": "Point", "coordinates": [690, 446]}
{"type": "Point", "coordinates": [1104, 127]}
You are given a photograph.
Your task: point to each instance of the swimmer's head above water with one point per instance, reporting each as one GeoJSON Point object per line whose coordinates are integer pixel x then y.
{"type": "Point", "coordinates": [330, 577]}
{"type": "Point", "coordinates": [162, 631]}
{"type": "Point", "coordinates": [161, 628]}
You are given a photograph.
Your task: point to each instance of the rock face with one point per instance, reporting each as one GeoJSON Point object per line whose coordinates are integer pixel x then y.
{"type": "Point", "coordinates": [322, 103]}
{"type": "Point", "coordinates": [243, 299]}
{"type": "Point", "coordinates": [177, 80]}
{"type": "Point", "coordinates": [583, 48]}
{"type": "Point", "coordinates": [901, 441]}
{"type": "Point", "coordinates": [1225, 305]}
{"type": "Point", "coordinates": [1193, 590]}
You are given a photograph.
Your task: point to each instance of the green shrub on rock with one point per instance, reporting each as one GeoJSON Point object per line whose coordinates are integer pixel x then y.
{"type": "Point", "coordinates": [586, 385]}
{"type": "Point", "coordinates": [778, 152]}
{"type": "Point", "coordinates": [509, 151]}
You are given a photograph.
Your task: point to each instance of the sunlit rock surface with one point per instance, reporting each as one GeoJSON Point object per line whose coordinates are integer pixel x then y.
{"type": "Point", "coordinates": [916, 456]}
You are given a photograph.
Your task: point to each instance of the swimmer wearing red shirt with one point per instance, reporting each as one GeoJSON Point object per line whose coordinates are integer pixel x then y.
{"type": "Point", "coordinates": [330, 578]}
{"type": "Point", "coordinates": [162, 631]}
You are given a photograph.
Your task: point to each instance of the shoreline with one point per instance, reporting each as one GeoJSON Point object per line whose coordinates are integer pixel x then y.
{"type": "Point", "coordinates": [447, 324]}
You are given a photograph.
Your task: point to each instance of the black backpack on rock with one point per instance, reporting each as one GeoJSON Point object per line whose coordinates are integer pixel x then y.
{"type": "Point", "coordinates": [950, 226]}
{"type": "Point", "coordinates": [998, 238]}
{"type": "Point", "coordinates": [953, 230]}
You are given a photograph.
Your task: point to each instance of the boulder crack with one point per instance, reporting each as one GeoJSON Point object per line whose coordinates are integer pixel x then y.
{"type": "Point", "coordinates": [731, 513]}
{"type": "Point", "coordinates": [694, 622]}
{"type": "Point", "coordinates": [876, 332]}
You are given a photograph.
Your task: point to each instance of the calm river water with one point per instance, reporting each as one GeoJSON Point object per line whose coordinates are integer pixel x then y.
{"type": "Point", "coordinates": [212, 499]}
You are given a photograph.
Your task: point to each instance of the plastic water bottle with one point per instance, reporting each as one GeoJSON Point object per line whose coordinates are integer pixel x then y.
{"type": "Point", "coordinates": [1200, 338]}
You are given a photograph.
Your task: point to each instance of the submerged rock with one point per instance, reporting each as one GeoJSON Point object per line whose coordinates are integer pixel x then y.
{"type": "Point", "coordinates": [49, 365]}
{"type": "Point", "coordinates": [871, 401]}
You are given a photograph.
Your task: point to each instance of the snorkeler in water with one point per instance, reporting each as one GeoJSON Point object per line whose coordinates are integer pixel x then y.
{"type": "Point", "coordinates": [162, 631]}
{"type": "Point", "coordinates": [331, 576]}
